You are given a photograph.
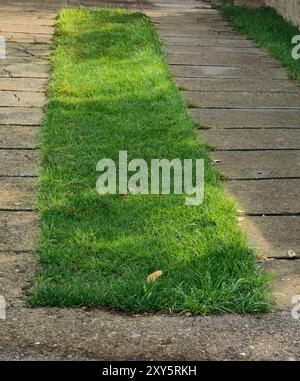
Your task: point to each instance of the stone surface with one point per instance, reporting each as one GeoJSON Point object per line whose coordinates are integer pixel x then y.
{"type": "Point", "coordinates": [21, 116]}
{"type": "Point", "coordinates": [258, 164]}
{"type": "Point", "coordinates": [194, 71]}
{"type": "Point", "coordinates": [18, 136]}
{"type": "Point", "coordinates": [238, 60]}
{"type": "Point", "coordinates": [27, 38]}
{"type": "Point", "coordinates": [18, 230]}
{"type": "Point", "coordinates": [17, 193]}
{"type": "Point", "coordinates": [273, 236]}
{"type": "Point", "coordinates": [198, 21]}
{"type": "Point", "coordinates": [19, 162]}
{"type": "Point", "coordinates": [208, 35]}
{"type": "Point", "coordinates": [39, 52]}
{"type": "Point", "coordinates": [26, 59]}
{"type": "Point", "coordinates": [252, 139]}
{"type": "Point", "coordinates": [212, 50]}
{"type": "Point", "coordinates": [285, 282]}
{"type": "Point", "coordinates": [26, 19]}
{"type": "Point", "coordinates": [242, 99]}
{"type": "Point", "coordinates": [250, 85]}
{"type": "Point", "coordinates": [24, 71]}
{"type": "Point", "coordinates": [264, 118]}
{"type": "Point", "coordinates": [203, 42]}
{"type": "Point", "coordinates": [194, 29]}
{"type": "Point", "coordinates": [27, 29]}
{"type": "Point", "coordinates": [22, 99]}
{"type": "Point", "coordinates": [23, 84]}
{"type": "Point", "coordinates": [271, 196]}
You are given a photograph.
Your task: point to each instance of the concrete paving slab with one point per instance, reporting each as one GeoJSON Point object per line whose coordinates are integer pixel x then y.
{"type": "Point", "coordinates": [24, 71]}
{"type": "Point", "coordinates": [202, 42]}
{"type": "Point", "coordinates": [242, 99]}
{"type": "Point", "coordinates": [18, 137]}
{"type": "Point", "coordinates": [248, 118]}
{"type": "Point", "coordinates": [25, 19]}
{"type": "Point", "coordinates": [22, 99]}
{"type": "Point", "coordinates": [27, 38]}
{"type": "Point", "coordinates": [27, 7]}
{"type": "Point", "coordinates": [252, 139]}
{"type": "Point", "coordinates": [285, 282]}
{"type": "Point", "coordinates": [20, 116]}
{"type": "Point", "coordinates": [27, 29]}
{"type": "Point", "coordinates": [10, 12]}
{"type": "Point", "coordinates": [35, 3]}
{"type": "Point", "coordinates": [273, 236]}
{"type": "Point", "coordinates": [258, 164]}
{"type": "Point", "coordinates": [194, 71]}
{"type": "Point", "coordinates": [223, 85]}
{"type": "Point", "coordinates": [191, 29]}
{"type": "Point", "coordinates": [271, 196]}
{"type": "Point", "coordinates": [203, 50]}
{"type": "Point", "coordinates": [34, 50]}
{"type": "Point", "coordinates": [19, 162]}
{"type": "Point", "coordinates": [29, 59]}
{"type": "Point", "coordinates": [23, 84]}
{"type": "Point", "coordinates": [27, 46]}
{"type": "Point", "coordinates": [17, 193]}
{"type": "Point", "coordinates": [239, 60]}
{"type": "Point", "coordinates": [174, 22]}
{"type": "Point", "coordinates": [206, 35]}
{"type": "Point", "coordinates": [18, 230]}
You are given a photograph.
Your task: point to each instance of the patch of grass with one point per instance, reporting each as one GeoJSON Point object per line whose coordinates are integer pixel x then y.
{"type": "Point", "coordinates": [269, 30]}
{"type": "Point", "coordinates": [111, 90]}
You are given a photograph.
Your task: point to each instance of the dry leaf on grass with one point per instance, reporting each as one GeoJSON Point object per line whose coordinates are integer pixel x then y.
{"type": "Point", "coordinates": [152, 277]}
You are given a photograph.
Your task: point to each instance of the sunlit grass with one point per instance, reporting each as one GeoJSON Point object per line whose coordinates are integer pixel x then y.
{"type": "Point", "coordinates": [110, 91]}
{"type": "Point", "coordinates": [269, 30]}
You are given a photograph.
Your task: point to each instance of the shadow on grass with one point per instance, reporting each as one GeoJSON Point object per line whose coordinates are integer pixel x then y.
{"type": "Point", "coordinates": [111, 91]}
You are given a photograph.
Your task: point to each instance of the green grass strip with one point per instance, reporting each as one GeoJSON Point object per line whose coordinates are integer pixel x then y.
{"type": "Point", "coordinates": [111, 90]}
{"type": "Point", "coordinates": [269, 30]}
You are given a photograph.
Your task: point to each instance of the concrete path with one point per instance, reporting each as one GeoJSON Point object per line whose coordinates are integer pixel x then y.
{"type": "Point", "coordinates": [220, 71]}
{"type": "Point", "coordinates": [253, 110]}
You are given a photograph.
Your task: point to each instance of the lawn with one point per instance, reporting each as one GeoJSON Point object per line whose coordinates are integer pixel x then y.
{"type": "Point", "coordinates": [111, 90]}
{"type": "Point", "coordinates": [269, 30]}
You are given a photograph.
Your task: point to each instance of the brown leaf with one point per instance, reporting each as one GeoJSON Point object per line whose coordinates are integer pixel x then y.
{"type": "Point", "coordinates": [153, 276]}
{"type": "Point", "coordinates": [291, 253]}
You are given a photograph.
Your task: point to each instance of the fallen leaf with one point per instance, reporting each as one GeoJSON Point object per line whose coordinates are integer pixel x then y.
{"type": "Point", "coordinates": [152, 277]}
{"type": "Point", "coordinates": [217, 162]}
{"type": "Point", "coordinates": [261, 258]}
{"type": "Point", "coordinates": [291, 253]}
